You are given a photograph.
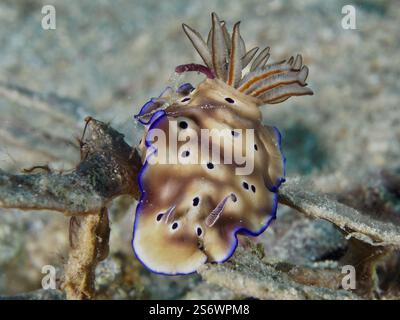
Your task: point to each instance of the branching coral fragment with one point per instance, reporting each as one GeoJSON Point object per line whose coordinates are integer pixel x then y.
{"type": "Point", "coordinates": [108, 169]}
{"type": "Point", "coordinates": [357, 224]}
{"type": "Point", "coordinates": [247, 274]}
{"type": "Point", "coordinates": [89, 237]}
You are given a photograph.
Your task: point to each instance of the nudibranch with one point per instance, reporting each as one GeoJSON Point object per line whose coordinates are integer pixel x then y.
{"type": "Point", "coordinates": [192, 208]}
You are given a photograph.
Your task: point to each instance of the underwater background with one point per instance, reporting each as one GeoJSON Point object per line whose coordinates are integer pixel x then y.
{"type": "Point", "coordinates": [110, 57]}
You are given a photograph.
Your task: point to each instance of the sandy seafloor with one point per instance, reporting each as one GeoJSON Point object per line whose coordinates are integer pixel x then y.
{"type": "Point", "coordinates": [114, 55]}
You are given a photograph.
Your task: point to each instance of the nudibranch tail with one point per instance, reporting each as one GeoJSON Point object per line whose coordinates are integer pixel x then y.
{"type": "Point", "coordinates": [226, 57]}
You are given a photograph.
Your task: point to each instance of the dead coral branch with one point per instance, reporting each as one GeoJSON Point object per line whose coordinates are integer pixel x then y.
{"type": "Point", "coordinates": [108, 169]}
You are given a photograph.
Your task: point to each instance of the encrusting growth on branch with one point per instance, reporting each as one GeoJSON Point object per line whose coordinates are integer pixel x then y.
{"type": "Point", "coordinates": [89, 236]}
{"type": "Point", "coordinates": [108, 169]}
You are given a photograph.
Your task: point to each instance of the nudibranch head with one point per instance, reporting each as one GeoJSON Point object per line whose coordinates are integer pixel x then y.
{"type": "Point", "coordinates": [226, 57]}
{"type": "Point", "coordinates": [196, 197]}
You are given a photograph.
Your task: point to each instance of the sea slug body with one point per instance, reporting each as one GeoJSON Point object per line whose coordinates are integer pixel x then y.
{"type": "Point", "coordinates": [191, 210]}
